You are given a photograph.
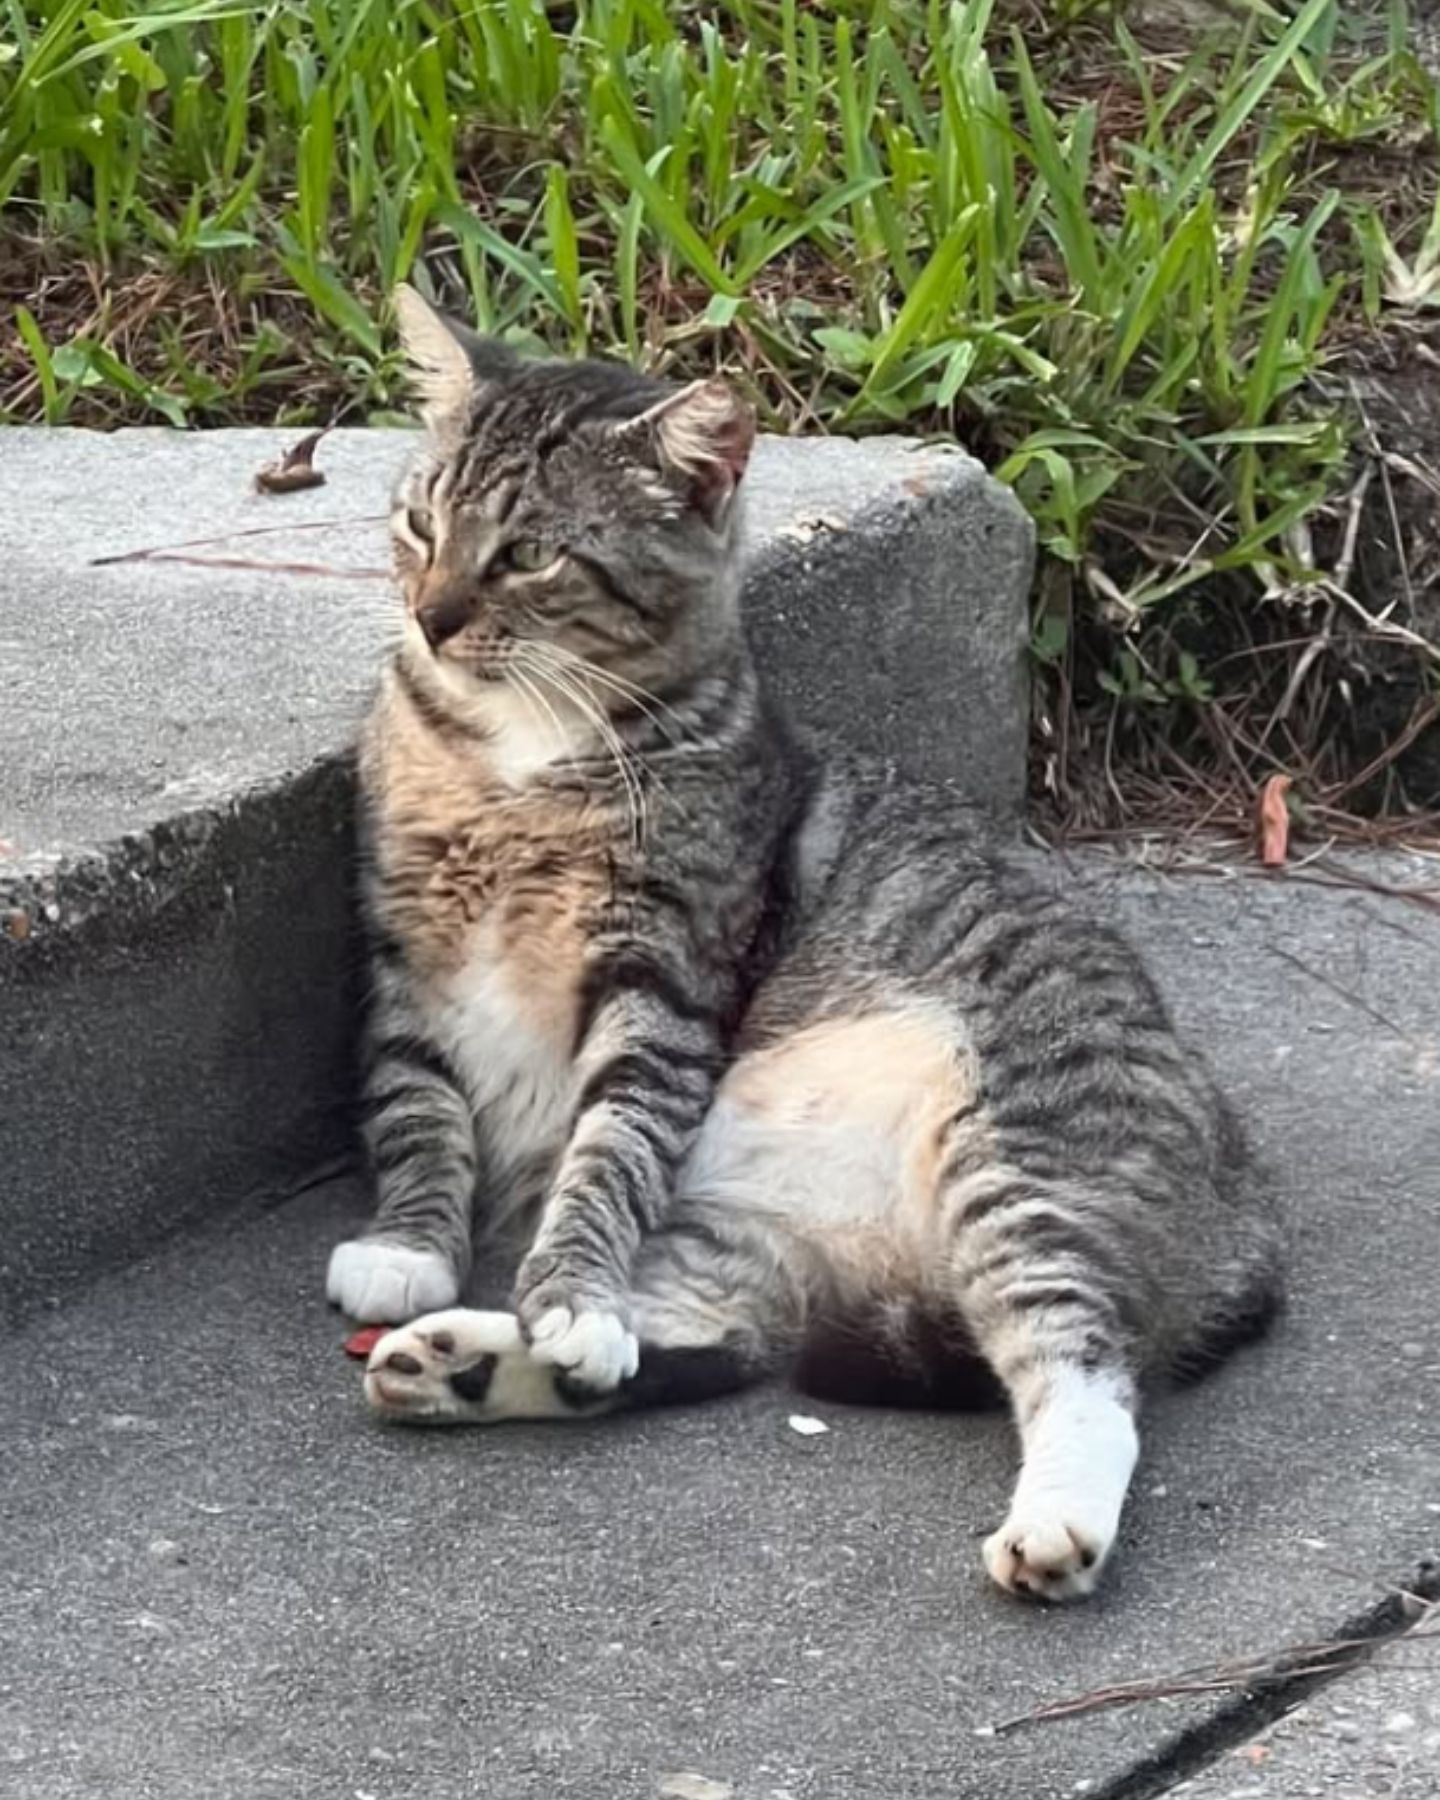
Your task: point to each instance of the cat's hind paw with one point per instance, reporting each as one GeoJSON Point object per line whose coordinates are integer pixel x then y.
{"type": "Point", "coordinates": [1046, 1555]}
{"type": "Point", "coordinates": [463, 1367]}
{"type": "Point", "coordinates": [376, 1282]}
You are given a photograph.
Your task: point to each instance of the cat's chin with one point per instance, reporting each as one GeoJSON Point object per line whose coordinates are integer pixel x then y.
{"type": "Point", "coordinates": [461, 674]}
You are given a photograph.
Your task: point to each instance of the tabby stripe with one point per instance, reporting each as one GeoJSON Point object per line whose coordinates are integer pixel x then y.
{"type": "Point", "coordinates": [1046, 1296]}
{"type": "Point", "coordinates": [409, 1096]}
{"type": "Point", "coordinates": [395, 1141]}
{"type": "Point", "coordinates": [386, 949]}
{"type": "Point", "coordinates": [667, 1072]}
{"type": "Point", "coordinates": [636, 970]}
{"type": "Point", "coordinates": [414, 1053]}
{"type": "Point", "coordinates": [612, 590]}
{"type": "Point", "coordinates": [430, 711]}
{"type": "Point", "coordinates": [1002, 1196]}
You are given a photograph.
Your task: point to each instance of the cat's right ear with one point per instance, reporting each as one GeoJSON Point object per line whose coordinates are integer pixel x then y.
{"type": "Point", "coordinates": [450, 365]}
{"type": "Point", "coordinates": [701, 436]}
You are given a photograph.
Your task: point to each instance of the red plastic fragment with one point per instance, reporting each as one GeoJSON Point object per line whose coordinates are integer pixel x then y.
{"type": "Point", "coordinates": [1274, 820]}
{"type": "Point", "coordinates": [360, 1343]}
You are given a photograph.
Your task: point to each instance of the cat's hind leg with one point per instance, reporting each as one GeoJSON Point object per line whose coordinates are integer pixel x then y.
{"type": "Point", "coordinates": [1030, 1266]}
{"type": "Point", "coordinates": [711, 1306]}
{"type": "Point", "coordinates": [1077, 1431]}
{"type": "Point", "coordinates": [464, 1367]}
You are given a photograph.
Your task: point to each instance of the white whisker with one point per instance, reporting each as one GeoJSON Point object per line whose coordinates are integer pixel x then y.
{"type": "Point", "coordinates": [574, 669]}
{"type": "Point", "coordinates": [544, 673]}
{"type": "Point", "coordinates": [650, 704]}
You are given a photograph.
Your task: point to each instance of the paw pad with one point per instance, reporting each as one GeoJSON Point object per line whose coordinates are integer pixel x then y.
{"type": "Point", "coordinates": [1045, 1559]}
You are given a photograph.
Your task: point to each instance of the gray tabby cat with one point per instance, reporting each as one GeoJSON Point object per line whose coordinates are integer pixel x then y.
{"type": "Point", "coordinates": [769, 1063]}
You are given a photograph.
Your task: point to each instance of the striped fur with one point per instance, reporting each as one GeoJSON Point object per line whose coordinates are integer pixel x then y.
{"type": "Point", "coordinates": [765, 1062]}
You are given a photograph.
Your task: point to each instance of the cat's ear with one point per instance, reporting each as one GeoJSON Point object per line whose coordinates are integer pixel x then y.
{"type": "Point", "coordinates": [702, 436]}
{"type": "Point", "coordinates": [450, 365]}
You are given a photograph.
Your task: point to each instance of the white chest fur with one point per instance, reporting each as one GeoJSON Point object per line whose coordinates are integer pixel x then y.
{"type": "Point", "coordinates": [529, 728]}
{"type": "Point", "coordinates": [517, 1069]}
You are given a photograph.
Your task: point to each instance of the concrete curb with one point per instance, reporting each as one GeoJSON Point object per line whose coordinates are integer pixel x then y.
{"type": "Point", "coordinates": [176, 966]}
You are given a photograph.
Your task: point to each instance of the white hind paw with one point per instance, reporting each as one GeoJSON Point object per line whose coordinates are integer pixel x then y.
{"type": "Point", "coordinates": [379, 1283]}
{"type": "Point", "coordinates": [462, 1367]}
{"type": "Point", "coordinates": [1048, 1554]}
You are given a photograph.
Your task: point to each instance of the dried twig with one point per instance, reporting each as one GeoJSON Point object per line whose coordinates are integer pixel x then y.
{"type": "Point", "coordinates": [1344, 993]}
{"type": "Point", "coordinates": [1381, 623]}
{"type": "Point", "coordinates": [1422, 721]}
{"type": "Point", "coordinates": [270, 568]}
{"type": "Point", "coordinates": [1378, 452]}
{"type": "Point", "coordinates": [295, 469]}
{"type": "Point", "coordinates": [246, 531]}
{"type": "Point", "coordinates": [1320, 643]}
{"type": "Point", "coordinates": [1299, 1662]}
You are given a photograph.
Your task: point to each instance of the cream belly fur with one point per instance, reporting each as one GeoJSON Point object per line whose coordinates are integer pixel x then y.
{"type": "Point", "coordinates": [837, 1130]}
{"type": "Point", "coordinates": [833, 1132]}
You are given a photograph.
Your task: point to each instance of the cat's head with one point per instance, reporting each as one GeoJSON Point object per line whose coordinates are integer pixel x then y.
{"type": "Point", "coordinates": [565, 509]}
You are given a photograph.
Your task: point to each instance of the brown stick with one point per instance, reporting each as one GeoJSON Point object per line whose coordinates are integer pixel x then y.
{"type": "Point", "coordinates": [1293, 1664]}
{"type": "Point", "coordinates": [273, 568]}
{"type": "Point", "coordinates": [224, 537]}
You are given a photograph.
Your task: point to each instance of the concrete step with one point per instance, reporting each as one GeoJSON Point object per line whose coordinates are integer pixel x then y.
{"type": "Point", "coordinates": [177, 974]}
{"type": "Point", "coordinates": [218, 1576]}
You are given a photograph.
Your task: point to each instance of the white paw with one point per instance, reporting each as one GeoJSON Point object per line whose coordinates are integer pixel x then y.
{"type": "Point", "coordinates": [378, 1283]}
{"type": "Point", "coordinates": [594, 1348]}
{"type": "Point", "coordinates": [462, 1367]}
{"type": "Point", "coordinates": [1048, 1551]}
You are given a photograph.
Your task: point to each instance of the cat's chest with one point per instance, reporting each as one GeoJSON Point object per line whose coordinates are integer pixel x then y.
{"type": "Point", "coordinates": [497, 923]}
{"type": "Point", "coordinates": [506, 1019]}
{"type": "Point", "coordinates": [471, 869]}
{"type": "Point", "coordinates": [496, 895]}
{"type": "Point", "coordinates": [492, 893]}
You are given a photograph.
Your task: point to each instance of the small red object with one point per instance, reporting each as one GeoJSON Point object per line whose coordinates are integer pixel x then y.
{"type": "Point", "coordinates": [360, 1343]}
{"type": "Point", "coordinates": [1274, 820]}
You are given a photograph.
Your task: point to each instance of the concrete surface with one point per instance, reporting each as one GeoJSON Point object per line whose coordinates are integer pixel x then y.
{"type": "Point", "coordinates": [184, 1039]}
{"type": "Point", "coordinates": [1375, 1736]}
{"type": "Point", "coordinates": [218, 1576]}
{"type": "Point", "coordinates": [176, 969]}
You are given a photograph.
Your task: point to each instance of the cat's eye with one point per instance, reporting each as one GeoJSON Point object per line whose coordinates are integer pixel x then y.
{"type": "Point", "coordinates": [527, 555]}
{"type": "Point", "coordinates": [417, 524]}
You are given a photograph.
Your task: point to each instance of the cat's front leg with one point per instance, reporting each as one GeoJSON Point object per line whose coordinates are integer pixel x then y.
{"type": "Point", "coordinates": [649, 1063]}
{"type": "Point", "coordinates": [420, 1132]}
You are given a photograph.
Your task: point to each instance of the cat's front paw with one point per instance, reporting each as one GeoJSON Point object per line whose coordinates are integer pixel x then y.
{"type": "Point", "coordinates": [382, 1283]}
{"type": "Point", "coordinates": [579, 1330]}
{"type": "Point", "coordinates": [590, 1345]}
{"type": "Point", "coordinates": [461, 1367]}
{"type": "Point", "coordinates": [1048, 1552]}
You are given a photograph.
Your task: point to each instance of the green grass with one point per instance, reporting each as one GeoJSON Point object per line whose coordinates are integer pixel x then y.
{"type": "Point", "coordinates": [1115, 271]}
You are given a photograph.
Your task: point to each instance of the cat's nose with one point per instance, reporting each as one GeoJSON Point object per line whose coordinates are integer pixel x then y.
{"type": "Point", "coordinates": [442, 612]}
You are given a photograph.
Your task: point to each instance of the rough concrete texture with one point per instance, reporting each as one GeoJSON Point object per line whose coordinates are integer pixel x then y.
{"type": "Point", "coordinates": [1375, 1736]}
{"type": "Point", "coordinates": [888, 578]}
{"type": "Point", "coordinates": [157, 1069]}
{"type": "Point", "coordinates": [175, 961]}
{"type": "Point", "coordinates": [218, 1576]}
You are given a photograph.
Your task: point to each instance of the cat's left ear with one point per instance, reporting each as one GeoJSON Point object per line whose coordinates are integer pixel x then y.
{"type": "Point", "coordinates": [450, 365]}
{"type": "Point", "coordinates": [702, 436]}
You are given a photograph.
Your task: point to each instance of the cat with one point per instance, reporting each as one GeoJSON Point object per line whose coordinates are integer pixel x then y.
{"type": "Point", "coordinates": [769, 1060]}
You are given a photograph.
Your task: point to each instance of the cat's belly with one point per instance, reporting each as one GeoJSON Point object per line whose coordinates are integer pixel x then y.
{"type": "Point", "coordinates": [841, 1124]}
